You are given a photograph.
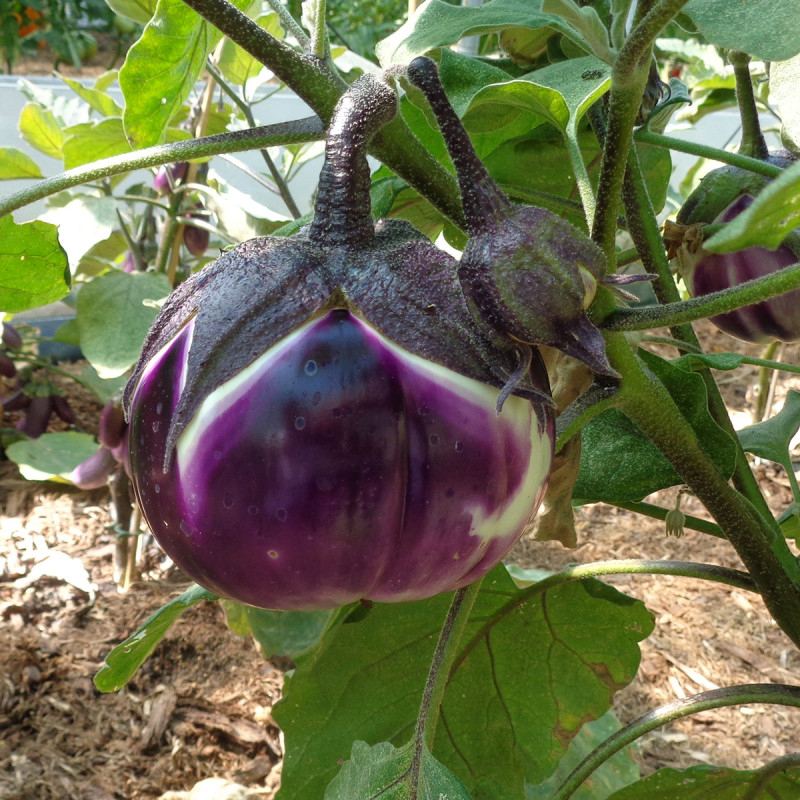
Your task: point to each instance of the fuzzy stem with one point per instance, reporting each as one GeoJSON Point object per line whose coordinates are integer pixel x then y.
{"type": "Point", "coordinates": [645, 136]}
{"type": "Point", "coordinates": [708, 305]}
{"type": "Point", "coordinates": [752, 143]}
{"type": "Point", "coordinates": [764, 380]}
{"type": "Point", "coordinates": [629, 77]}
{"type": "Point", "coordinates": [343, 213]}
{"type": "Point", "coordinates": [302, 130]}
{"type": "Point", "coordinates": [484, 204]}
{"type": "Point", "coordinates": [313, 81]}
{"type": "Point", "coordinates": [775, 694]}
{"type": "Point", "coordinates": [289, 23]}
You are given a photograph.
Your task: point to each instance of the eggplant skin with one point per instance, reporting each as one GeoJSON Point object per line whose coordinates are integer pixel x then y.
{"type": "Point", "coordinates": [776, 318]}
{"type": "Point", "coordinates": [337, 466]}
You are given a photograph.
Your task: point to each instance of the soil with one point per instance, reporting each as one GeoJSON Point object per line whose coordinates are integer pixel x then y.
{"type": "Point", "coordinates": [110, 55]}
{"type": "Point", "coordinates": [200, 707]}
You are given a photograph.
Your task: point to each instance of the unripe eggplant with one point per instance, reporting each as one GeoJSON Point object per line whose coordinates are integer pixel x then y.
{"type": "Point", "coordinates": [16, 401]}
{"type": "Point", "coordinates": [7, 367]}
{"type": "Point", "coordinates": [37, 415]}
{"type": "Point", "coordinates": [93, 473]}
{"type": "Point", "coordinates": [112, 425]}
{"type": "Point", "coordinates": [63, 409]}
{"type": "Point", "coordinates": [11, 337]}
{"type": "Point", "coordinates": [320, 419]}
{"type": "Point", "coordinates": [721, 196]}
{"type": "Point", "coordinates": [528, 273]}
{"type": "Point", "coordinates": [168, 176]}
{"type": "Point", "coordinates": [196, 239]}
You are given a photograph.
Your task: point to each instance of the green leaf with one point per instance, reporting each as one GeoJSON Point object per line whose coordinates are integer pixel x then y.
{"type": "Point", "coordinates": [236, 64]}
{"type": "Point", "coordinates": [587, 22]}
{"type": "Point", "coordinates": [773, 215]}
{"type": "Point", "coordinates": [104, 388]}
{"type": "Point", "coordinates": [96, 98]}
{"type": "Point", "coordinates": [721, 361]}
{"type": "Point", "coordinates": [771, 439]}
{"type": "Point", "coordinates": [767, 29]}
{"type": "Point", "coordinates": [620, 464]}
{"type": "Point", "coordinates": [438, 23]}
{"type": "Point", "coordinates": [113, 318]}
{"type": "Point", "coordinates": [15, 164]}
{"type": "Point", "coordinates": [526, 670]}
{"type": "Point", "coordinates": [138, 10]}
{"type": "Point", "coordinates": [278, 633]}
{"type": "Point", "coordinates": [92, 141]}
{"type": "Point", "coordinates": [33, 265]}
{"type": "Point", "coordinates": [40, 129]}
{"type": "Point", "coordinates": [620, 770]}
{"type": "Point", "coordinates": [52, 456]}
{"type": "Point", "coordinates": [123, 661]}
{"type": "Point", "coordinates": [713, 783]}
{"type": "Point", "coordinates": [162, 68]}
{"type": "Point", "coordinates": [82, 222]}
{"type": "Point", "coordinates": [385, 771]}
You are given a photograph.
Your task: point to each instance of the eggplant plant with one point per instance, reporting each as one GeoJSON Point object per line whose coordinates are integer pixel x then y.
{"type": "Point", "coordinates": [343, 426]}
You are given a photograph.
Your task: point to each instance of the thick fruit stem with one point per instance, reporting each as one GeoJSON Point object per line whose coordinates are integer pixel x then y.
{"type": "Point", "coordinates": [342, 214]}
{"type": "Point", "coordinates": [484, 202]}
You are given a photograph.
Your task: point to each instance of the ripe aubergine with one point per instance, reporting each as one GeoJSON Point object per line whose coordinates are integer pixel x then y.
{"type": "Point", "coordinates": [314, 420]}
{"type": "Point", "coordinates": [722, 195]}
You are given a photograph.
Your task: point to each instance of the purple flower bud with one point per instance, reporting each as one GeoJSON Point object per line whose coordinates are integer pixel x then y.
{"type": "Point", "coordinates": [314, 420]}
{"type": "Point", "coordinates": [93, 473]}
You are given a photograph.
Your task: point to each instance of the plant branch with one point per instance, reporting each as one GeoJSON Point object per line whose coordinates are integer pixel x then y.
{"type": "Point", "coordinates": [775, 694]}
{"type": "Point", "coordinates": [770, 771]}
{"type": "Point", "coordinates": [311, 79]}
{"type": "Point", "coordinates": [671, 314]}
{"type": "Point", "coordinates": [645, 136]}
{"type": "Point", "coordinates": [752, 143]}
{"type": "Point", "coordinates": [308, 129]}
{"type": "Point", "coordinates": [289, 23]}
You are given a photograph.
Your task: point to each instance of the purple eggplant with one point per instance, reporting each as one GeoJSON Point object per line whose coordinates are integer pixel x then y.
{"type": "Point", "coordinates": [320, 419]}
{"type": "Point", "coordinates": [721, 196]}
{"type": "Point", "coordinates": [196, 239]}
{"type": "Point", "coordinates": [169, 176]}
{"type": "Point", "coordinates": [93, 473]}
{"type": "Point", "coordinates": [7, 367]}
{"type": "Point", "coordinates": [112, 425]}
{"type": "Point", "coordinates": [63, 409]}
{"type": "Point", "coordinates": [11, 337]}
{"type": "Point", "coordinates": [37, 415]}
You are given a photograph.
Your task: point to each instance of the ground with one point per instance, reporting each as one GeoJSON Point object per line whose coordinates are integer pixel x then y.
{"type": "Point", "coordinates": [201, 705]}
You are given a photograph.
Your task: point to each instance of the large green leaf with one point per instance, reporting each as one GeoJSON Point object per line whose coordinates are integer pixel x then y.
{"type": "Point", "coordinates": [236, 64]}
{"type": "Point", "coordinates": [767, 221]}
{"type": "Point", "coordinates": [767, 29]}
{"type": "Point", "coordinates": [52, 456]}
{"type": "Point", "coordinates": [40, 129]}
{"type": "Point", "coordinates": [385, 771]}
{"type": "Point", "coordinates": [532, 667]}
{"type": "Point", "coordinates": [771, 439]}
{"type": "Point", "coordinates": [138, 10]}
{"type": "Point", "coordinates": [33, 265]}
{"type": "Point", "coordinates": [82, 221]}
{"type": "Point", "coordinates": [113, 318]}
{"type": "Point", "coordinates": [162, 68]}
{"type": "Point", "coordinates": [278, 633]}
{"type": "Point", "coordinates": [438, 23]}
{"type": "Point", "coordinates": [98, 99]}
{"type": "Point", "coordinates": [620, 464]}
{"type": "Point", "coordinates": [92, 141]}
{"type": "Point", "coordinates": [714, 783]}
{"type": "Point", "coordinates": [620, 770]}
{"type": "Point", "coordinates": [15, 164]}
{"type": "Point", "coordinates": [784, 78]}
{"type": "Point", "coordinates": [123, 661]}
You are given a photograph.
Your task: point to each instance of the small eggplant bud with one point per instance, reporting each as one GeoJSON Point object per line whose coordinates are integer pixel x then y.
{"type": "Point", "coordinates": [169, 176]}
{"type": "Point", "coordinates": [63, 409]}
{"type": "Point", "coordinates": [7, 367]}
{"type": "Point", "coordinates": [112, 425]}
{"type": "Point", "coordinates": [130, 264]}
{"type": "Point", "coordinates": [313, 419]}
{"type": "Point", "coordinates": [196, 239]}
{"type": "Point", "coordinates": [527, 272]}
{"type": "Point", "coordinates": [37, 416]}
{"type": "Point", "coordinates": [11, 338]}
{"type": "Point", "coordinates": [93, 473]}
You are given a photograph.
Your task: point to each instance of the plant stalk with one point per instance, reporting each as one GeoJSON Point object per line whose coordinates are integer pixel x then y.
{"type": "Point", "coordinates": [752, 143]}
{"type": "Point", "coordinates": [775, 694]}
{"type": "Point", "coordinates": [657, 512]}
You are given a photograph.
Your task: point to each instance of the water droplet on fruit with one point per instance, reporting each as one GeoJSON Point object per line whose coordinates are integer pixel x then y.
{"type": "Point", "coordinates": [316, 398]}
{"type": "Point", "coordinates": [252, 510]}
{"type": "Point", "coordinates": [272, 553]}
{"type": "Point", "coordinates": [311, 367]}
{"type": "Point", "coordinates": [156, 426]}
{"type": "Point", "coordinates": [227, 500]}
{"type": "Point", "coordinates": [159, 408]}
{"type": "Point", "coordinates": [157, 489]}
{"type": "Point", "coordinates": [281, 515]}
{"type": "Point", "coordinates": [299, 423]}
{"type": "Point", "coordinates": [459, 446]}
{"type": "Point", "coordinates": [434, 439]}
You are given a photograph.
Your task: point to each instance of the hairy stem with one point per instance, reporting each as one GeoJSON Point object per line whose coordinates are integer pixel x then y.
{"type": "Point", "coordinates": [752, 143]}
{"type": "Point", "coordinates": [658, 512]}
{"type": "Point", "coordinates": [764, 168]}
{"type": "Point", "coordinates": [709, 305]}
{"type": "Point", "coordinates": [298, 131]}
{"type": "Point", "coordinates": [775, 694]}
